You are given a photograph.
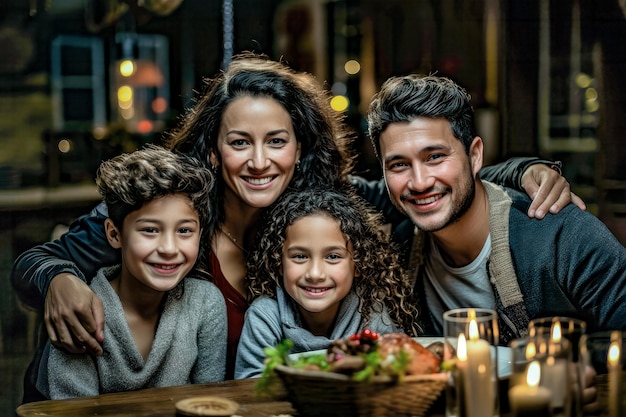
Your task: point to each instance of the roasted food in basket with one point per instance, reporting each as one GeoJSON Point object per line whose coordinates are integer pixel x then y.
{"type": "Point", "coordinates": [364, 375]}
{"type": "Point", "coordinates": [362, 356]}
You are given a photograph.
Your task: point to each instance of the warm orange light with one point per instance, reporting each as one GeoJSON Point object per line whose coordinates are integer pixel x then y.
{"type": "Point", "coordinates": [145, 126]}
{"type": "Point", "coordinates": [159, 105]}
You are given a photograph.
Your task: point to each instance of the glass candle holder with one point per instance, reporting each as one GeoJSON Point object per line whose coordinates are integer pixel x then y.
{"type": "Point", "coordinates": [471, 340]}
{"type": "Point", "coordinates": [602, 354]}
{"type": "Point", "coordinates": [541, 369]}
{"type": "Point", "coordinates": [571, 329]}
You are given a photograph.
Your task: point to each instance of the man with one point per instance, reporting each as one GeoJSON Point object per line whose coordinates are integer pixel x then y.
{"type": "Point", "coordinates": [474, 244]}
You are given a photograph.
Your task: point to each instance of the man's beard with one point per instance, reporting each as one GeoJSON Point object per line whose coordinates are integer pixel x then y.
{"type": "Point", "coordinates": [459, 207]}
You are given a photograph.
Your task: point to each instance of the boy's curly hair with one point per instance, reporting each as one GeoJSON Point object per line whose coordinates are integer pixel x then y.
{"type": "Point", "coordinates": [128, 181]}
{"type": "Point", "coordinates": [381, 280]}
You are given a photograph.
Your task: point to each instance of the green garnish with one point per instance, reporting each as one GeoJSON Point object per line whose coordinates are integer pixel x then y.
{"type": "Point", "coordinates": [273, 356]}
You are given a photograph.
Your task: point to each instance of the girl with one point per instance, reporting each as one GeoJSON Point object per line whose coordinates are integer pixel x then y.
{"type": "Point", "coordinates": [323, 269]}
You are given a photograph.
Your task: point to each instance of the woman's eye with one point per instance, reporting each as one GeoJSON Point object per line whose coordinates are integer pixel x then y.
{"type": "Point", "coordinates": [334, 256]}
{"type": "Point", "coordinates": [238, 143]}
{"type": "Point", "coordinates": [277, 141]}
{"type": "Point", "coordinates": [185, 231]}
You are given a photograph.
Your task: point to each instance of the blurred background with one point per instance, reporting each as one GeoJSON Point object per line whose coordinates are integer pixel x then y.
{"type": "Point", "coordinates": [83, 80]}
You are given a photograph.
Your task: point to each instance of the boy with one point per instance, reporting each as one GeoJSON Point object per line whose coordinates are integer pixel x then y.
{"type": "Point", "coordinates": [161, 329]}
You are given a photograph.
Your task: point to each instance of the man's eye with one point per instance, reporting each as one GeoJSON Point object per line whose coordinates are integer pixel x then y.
{"type": "Point", "coordinates": [397, 165]}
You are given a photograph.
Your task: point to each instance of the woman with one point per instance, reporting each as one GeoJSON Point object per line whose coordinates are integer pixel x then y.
{"type": "Point", "coordinates": [262, 128]}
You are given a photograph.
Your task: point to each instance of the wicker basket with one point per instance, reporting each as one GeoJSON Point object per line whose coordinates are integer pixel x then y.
{"type": "Point", "coordinates": [317, 393]}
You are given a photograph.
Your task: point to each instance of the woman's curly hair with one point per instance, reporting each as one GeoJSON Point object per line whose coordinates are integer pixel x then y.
{"type": "Point", "coordinates": [381, 279]}
{"type": "Point", "coordinates": [326, 153]}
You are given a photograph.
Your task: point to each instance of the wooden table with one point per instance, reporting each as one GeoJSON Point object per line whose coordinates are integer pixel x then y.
{"type": "Point", "coordinates": [159, 402]}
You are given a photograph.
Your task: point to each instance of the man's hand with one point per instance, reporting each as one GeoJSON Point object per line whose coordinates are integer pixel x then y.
{"type": "Point", "coordinates": [549, 190]}
{"type": "Point", "coordinates": [74, 316]}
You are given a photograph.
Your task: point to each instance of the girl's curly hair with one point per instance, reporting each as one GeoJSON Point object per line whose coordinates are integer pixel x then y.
{"type": "Point", "coordinates": [381, 280]}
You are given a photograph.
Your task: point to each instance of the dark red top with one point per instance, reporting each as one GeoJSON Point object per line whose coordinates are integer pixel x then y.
{"type": "Point", "coordinates": [236, 305]}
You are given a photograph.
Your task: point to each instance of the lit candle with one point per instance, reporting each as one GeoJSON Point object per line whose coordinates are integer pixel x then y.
{"type": "Point", "coordinates": [554, 372]}
{"type": "Point", "coordinates": [474, 364]}
{"type": "Point", "coordinates": [529, 399]}
{"type": "Point", "coordinates": [614, 365]}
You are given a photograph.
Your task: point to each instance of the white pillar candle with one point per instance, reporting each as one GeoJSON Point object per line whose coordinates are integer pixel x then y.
{"type": "Point", "coordinates": [474, 363]}
{"type": "Point", "coordinates": [529, 399]}
{"type": "Point", "coordinates": [554, 377]}
{"type": "Point", "coordinates": [554, 372]}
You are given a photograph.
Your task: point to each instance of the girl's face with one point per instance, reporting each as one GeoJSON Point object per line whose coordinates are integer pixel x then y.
{"type": "Point", "coordinates": [159, 243]}
{"type": "Point", "coordinates": [258, 149]}
{"type": "Point", "coordinates": [318, 269]}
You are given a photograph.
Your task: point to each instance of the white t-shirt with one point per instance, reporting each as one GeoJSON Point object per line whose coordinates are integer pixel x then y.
{"type": "Point", "coordinates": [448, 287]}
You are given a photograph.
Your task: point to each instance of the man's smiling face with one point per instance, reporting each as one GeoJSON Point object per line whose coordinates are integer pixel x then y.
{"type": "Point", "coordinates": [428, 174]}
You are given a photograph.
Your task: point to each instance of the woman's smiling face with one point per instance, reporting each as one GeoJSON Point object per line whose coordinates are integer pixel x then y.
{"type": "Point", "coordinates": [258, 149]}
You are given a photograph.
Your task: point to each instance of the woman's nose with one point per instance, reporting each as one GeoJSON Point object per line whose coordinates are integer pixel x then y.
{"type": "Point", "coordinates": [259, 159]}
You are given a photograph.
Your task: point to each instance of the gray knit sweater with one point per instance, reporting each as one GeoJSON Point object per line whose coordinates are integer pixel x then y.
{"type": "Point", "coordinates": [189, 346]}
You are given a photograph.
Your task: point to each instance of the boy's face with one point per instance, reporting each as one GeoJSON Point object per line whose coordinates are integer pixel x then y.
{"type": "Point", "coordinates": [318, 269]}
{"type": "Point", "coordinates": [159, 243]}
{"type": "Point", "coordinates": [429, 176]}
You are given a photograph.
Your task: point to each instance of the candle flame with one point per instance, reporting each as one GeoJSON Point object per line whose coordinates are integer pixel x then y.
{"type": "Point", "coordinates": [556, 331]}
{"type": "Point", "coordinates": [461, 348]}
{"type": "Point", "coordinates": [473, 330]}
{"type": "Point", "coordinates": [531, 350]}
{"type": "Point", "coordinates": [613, 353]}
{"type": "Point", "coordinates": [533, 374]}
